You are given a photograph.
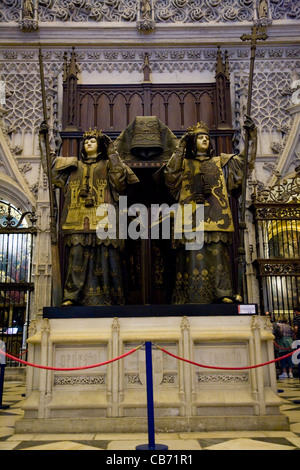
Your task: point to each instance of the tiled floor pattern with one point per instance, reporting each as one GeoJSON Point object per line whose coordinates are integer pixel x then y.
{"type": "Point", "coordinates": [289, 390]}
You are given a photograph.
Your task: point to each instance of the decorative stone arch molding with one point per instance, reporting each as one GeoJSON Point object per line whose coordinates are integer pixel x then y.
{"type": "Point", "coordinates": [11, 192]}
{"type": "Point", "coordinates": [13, 186]}
{"type": "Point", "coordinates": [15, 189]}
{"type": "Point", "coordinates": [288, 156]}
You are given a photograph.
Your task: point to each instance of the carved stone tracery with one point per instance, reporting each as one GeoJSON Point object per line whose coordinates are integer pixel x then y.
{"type": "Point", "coordinates": [222, 378]}
{"type": "Point", "coordinates": [285, 191]}
{"type": "Point", "coordinates": [165, 11]}
{"type": "Point", "coordinates": [78, 380]}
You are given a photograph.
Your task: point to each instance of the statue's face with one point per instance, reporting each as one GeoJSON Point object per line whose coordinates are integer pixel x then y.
{"type": "Point", "coordinates": [202, 142]}
{"type": "Point", "coordinates": [91, 146]}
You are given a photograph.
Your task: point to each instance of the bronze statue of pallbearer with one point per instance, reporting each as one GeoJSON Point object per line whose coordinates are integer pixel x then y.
{"type": "Point", "coordinates": [93, 275]}
{"type": "Point", "coordinates": [194, 176]}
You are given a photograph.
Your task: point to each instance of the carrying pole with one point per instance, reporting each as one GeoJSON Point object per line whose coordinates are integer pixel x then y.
{"type": "Point", "coordinates": [56, 273]}
{"type": "Point", "coordinates": [253, 37]}
{"type": "Point", "coordinates": [150, 404]}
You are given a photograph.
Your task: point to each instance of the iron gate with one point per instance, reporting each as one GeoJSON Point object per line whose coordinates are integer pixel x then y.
{"type": "Point", "coordinates": [17, 231]}
{"type": "Point", "coordinates": [277, 223]}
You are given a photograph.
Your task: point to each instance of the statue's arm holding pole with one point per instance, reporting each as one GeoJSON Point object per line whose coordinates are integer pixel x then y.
{"type": "Point", "coordinates": [173, 169]}
{"type": "Point", "coordinates": [44, 132]}
{"type": "Point", "coordinates": [254, 37]}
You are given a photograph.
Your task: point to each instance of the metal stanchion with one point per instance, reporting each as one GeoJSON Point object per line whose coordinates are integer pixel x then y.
{"type": "Point", "coordinates": [2, 370]}
{"type": "Point", "coordinates": [150, 405]}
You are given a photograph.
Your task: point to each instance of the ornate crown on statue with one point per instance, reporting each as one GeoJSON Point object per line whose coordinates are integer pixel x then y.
{"type": "Point", "coordinates": [92, 133]}
{"type": "Point", "coordinates": [199, 128]}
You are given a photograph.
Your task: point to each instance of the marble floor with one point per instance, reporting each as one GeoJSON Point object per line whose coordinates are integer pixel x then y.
{"type": "Point", "coordinates": [289, 390]}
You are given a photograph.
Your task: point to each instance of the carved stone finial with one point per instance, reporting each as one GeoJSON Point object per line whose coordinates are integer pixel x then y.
{"type": "Point", "coordinates": [220, 65]}
{"type": "Point", "coordinates": [72, 69]}
{"type": "Point", "coordinates": [146, 68]}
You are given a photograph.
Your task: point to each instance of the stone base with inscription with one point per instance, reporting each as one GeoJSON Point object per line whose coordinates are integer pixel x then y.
{"type": "Point", "coordinates": [112, 398]}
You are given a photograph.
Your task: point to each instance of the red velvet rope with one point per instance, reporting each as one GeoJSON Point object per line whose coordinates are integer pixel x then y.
{"type": "Point", "coordinates": [138, 347]}
{"type": "Point", "coordinates": [20, 355]}
{"type": "Point", "coordinates": [69, 368]}
{"type": "Point", "coordinates": [280, 347]}
{"type": "Point", "coordinates": [225, 368]}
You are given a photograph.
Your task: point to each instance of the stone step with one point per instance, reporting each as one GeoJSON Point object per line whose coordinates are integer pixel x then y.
{"type": "Point", "coordinates": [162, 424]}
{"type": "Point", "coordinates": [12, 374]}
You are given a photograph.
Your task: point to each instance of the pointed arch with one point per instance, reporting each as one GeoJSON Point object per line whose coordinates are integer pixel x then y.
{"type": "Point", "coordinates": [13, 185]}
{"type": "Point", "coordinates": [285, 159]}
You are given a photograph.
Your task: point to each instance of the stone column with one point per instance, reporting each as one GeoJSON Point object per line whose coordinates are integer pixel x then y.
{"type": "Point", "coordinates": [187, 387]}
{"type": "Point", "coordinates": [45, 376]}
{"type": "Point", "coordinates": [256, 326]}
{"type": "Point", "coordinates": [113, 372]}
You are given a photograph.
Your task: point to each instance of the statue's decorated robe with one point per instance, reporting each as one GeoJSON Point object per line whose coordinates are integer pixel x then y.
{"type": "Point", "coordinates": [205, 275]}
{"type": "Point", "coordinates": [94, 272]}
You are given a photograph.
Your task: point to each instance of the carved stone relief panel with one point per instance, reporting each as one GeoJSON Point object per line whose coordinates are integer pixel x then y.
{"type": "Point", "coordinates": [76, 356]}
{"type": "Point", "coordinates": [203, 11]}
{"type": "Point", "coordinates": [147, 12]}
{"type": "Point", "coordinates": [165, 368]}
{"type": "Point", "coordinates": [23, 100]}
{"type": "Point", "coordinates": [233, 355]}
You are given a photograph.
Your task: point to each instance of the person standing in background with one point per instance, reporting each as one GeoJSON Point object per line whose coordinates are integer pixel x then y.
{"type": "Point", "coordinates": [284, 339]}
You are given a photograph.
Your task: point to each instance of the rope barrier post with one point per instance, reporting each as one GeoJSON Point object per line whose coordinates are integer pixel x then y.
{"type": "Point", "coordinates": [150, 404]}
{"type": "Point", "coordinates": [2, 370]}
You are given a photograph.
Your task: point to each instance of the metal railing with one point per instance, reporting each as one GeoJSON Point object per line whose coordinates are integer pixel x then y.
{"type": "Point", "coordinates": [16, 244]}
{"type": "Point", "coordinates": [277, 223]}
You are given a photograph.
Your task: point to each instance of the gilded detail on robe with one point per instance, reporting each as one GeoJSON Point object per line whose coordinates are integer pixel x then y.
{"type": "Point", "coordinates": [77, 216]}
{"type": "Point", "coordinates": [204, 275]}
{"type": "Point", "coordinates": [217, 213]}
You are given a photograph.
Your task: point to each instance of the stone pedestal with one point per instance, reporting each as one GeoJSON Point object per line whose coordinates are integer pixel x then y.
{"type": "Point", "coordinates": [112, 398]}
